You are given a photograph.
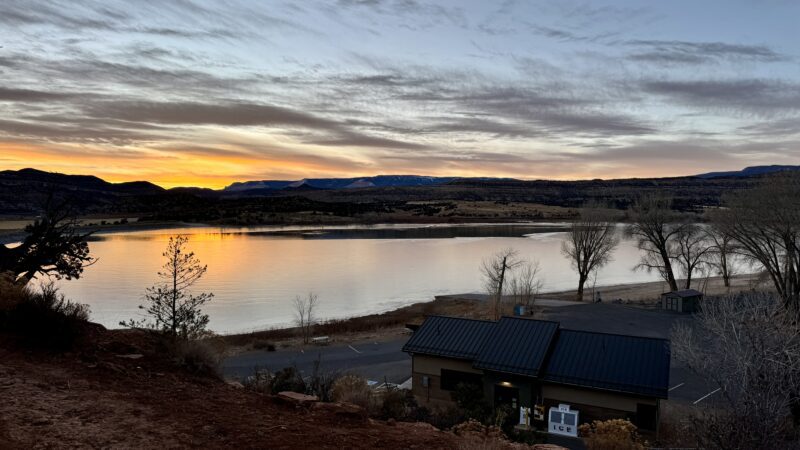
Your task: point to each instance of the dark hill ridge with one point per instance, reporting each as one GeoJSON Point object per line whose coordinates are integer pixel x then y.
{"type": "Point", "coordinates": [352, 200]}
{"type": "Point", "coordinates": [84, 182]}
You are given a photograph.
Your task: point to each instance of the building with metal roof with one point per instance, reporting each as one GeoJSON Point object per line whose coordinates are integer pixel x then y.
{"type": "Point", "coordinates": [534, 365]}
{"type": "Point", "coordinates": [516, 346]}
{"type": "Point", "coordinates": [452, 337]}
{"type": "Point", "coordinates": [684, 300]}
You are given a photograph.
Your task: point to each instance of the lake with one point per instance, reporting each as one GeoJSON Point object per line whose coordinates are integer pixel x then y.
{"type": "Point", "coordinates": [255, 273]}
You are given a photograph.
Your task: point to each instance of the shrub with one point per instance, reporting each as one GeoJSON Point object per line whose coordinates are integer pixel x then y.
{"type": "Point", "coordinates": [471, 400]}
{"type": "Point", "coordinates": [44, 319]}
{"type": "Point", "coordinates": [321, 383]}
{"type": "Point", "coordinates": [616, 434]}
{"type": "Point", "coordinates": [11, 294]}
{"type": "Point", "coordinates": [394, 404]}
{"type": "Point", "coordinates": [352, 389]}
{"type": "Point", "coordinates": [288, 379]}
{"type": "Point", "coordinates": [260, 381]}
{"type": "Point", "coordinates": [261, 344]}
{"type": "Point", "coordinates": [198, 357]}
{"type": "Point", "coordinates": [266, 382]}
{"type": "Point", "coordinates": [446, 418]}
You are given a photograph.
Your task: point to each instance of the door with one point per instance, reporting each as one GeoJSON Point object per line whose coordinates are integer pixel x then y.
{"type": "Point", "coordinates": [506, 395]}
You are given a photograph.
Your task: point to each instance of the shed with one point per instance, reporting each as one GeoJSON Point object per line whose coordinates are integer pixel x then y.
{"type": "Point", "coordinates": [685, 300]}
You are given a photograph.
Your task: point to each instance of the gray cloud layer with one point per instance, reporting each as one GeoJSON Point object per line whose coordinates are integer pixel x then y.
{"type": "Point", "coordinates": [595, 92]}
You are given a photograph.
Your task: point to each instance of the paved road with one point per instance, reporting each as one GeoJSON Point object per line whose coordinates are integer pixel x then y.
{"type": "Point", "coordinates": [376, 360]}
{"type": "Point", "coordinates": [372, 360]}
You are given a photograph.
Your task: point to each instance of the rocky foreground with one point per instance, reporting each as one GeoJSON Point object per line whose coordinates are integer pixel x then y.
{"type": "Point", "coordinates": [120, 390]}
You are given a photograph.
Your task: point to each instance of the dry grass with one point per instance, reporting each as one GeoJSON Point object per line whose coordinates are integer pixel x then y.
{"type": "Point", "coordinates": [198, 357]}
{"type": "Point", "coordinates": [352, 389]}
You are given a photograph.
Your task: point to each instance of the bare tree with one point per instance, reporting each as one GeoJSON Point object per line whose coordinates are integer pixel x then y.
{"type": "Point", "coordinates": [655, 227]}
{"type": "Point", "coordinates": [765, 223]}
{"type": "Point", "coordinates": [526, 283]}
{"type": "Point", "coordinates": [495, 270]}
{"type": "Point", "coordinates": [589, 245]}
{"type": "Point", "coordinates": [53, 247]}
{"type": "Point", "coordinates": [749, 347]}
{"type": "Point", "coordinates": [171, 307]}
{"type": "Point", "coordinates": [690, 250]}
{"type": "Point", "coordinates": [305, 315]}
{"type": "Point", "coordinates": [721, 252]}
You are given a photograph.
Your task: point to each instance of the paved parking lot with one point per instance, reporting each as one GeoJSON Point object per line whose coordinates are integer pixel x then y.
{"type": "Point", "coordinates": [376, 361]}
{"type": "Point", "coordinates": [385, 360]}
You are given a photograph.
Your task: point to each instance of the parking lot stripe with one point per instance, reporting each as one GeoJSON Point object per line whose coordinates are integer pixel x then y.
{"type": "Point", "coordinates": [353, 349]}
{"type": "Point", "coordinates": [676, 386]}
{"type": "Point", "coordinates": [706, 396]}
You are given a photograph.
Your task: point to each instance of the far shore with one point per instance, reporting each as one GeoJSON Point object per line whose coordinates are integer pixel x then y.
{"type": "Point", "coordinates": [393, 324]}
{"type": "Point", "coordinates": [13, 231]}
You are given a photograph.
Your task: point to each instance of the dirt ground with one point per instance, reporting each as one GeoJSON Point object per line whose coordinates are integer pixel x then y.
{"type": "Point", "coordinates": [96, 399]}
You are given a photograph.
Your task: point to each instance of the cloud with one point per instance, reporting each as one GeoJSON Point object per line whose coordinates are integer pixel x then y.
{"type": "Point", "coordinates": [28, 95]}
{"type": "Point", "coordinates": [750, 96]}
{"type": "Point", "coordinates": [657, 51]}
{"type": "Point", "coordinates": [87, 131]}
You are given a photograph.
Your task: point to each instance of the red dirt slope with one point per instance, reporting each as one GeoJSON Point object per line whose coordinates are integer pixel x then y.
{"type": "Point", "coordinates": [93, 398]}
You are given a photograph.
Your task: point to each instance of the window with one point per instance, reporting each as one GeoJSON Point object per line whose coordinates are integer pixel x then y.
{"type": "Point", "coordinates": [569, 419]}
{"type": "Point", "coordinates": [555, 416]}
{"type": "Point", "coordinates": [452, 378]}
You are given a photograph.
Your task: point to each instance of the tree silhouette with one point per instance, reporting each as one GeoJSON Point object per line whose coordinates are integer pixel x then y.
{"type": "Point", "coordinates": [53, 246]}
{"type": "Point", "coordinates": [172, 308]}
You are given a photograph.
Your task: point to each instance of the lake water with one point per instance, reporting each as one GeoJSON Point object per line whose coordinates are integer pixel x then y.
{"type": "Point", "coordinates": [255, 273]}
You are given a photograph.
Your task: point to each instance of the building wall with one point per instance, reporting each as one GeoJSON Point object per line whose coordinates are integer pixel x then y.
{"type": "Point", "coordinates": [603, 399]}
{"type": "Point", "coordinates": [592, 404]}
{"type": "Point", "coordinates": [595, 404]}
{"type": "Point", "coordinates": [431, 366]}
{"type": "Point", "coordinates": [528, 389]}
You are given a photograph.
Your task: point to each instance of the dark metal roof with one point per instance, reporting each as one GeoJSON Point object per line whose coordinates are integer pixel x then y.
{"type": "Point", "coordinates": [683, 293]}
{"type": "Point", "coordinates": [629, 364]}
{"type": "Point", "coordinates": [449, 336]}
{"type": "Point", "coordinates": [516, 345]}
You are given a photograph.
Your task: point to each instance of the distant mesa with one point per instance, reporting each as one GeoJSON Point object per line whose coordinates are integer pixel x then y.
{"type": "Point", "coordinates": [752, 171]}
{"type": "Point", "coordinates": [360, 184]}
{"type": "Point", "coordinates": [340, 183]}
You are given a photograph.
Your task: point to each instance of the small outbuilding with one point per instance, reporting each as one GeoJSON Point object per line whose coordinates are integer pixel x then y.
{"type": "Point", "coordinates": [685, 300]}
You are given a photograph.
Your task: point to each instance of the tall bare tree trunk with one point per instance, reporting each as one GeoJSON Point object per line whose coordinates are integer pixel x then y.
{"type": "Point", "coordinates": [581, 281]}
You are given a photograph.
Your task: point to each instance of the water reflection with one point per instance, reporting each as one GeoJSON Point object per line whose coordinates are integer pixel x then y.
{"type": "Point", "coordinates": [256, 272]}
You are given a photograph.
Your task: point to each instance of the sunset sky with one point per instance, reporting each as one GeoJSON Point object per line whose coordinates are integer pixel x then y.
{"type": "Point", "coordinates": [205, 93]}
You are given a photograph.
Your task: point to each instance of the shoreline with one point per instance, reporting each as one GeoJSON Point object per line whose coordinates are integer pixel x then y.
{"type": "Point", "coordinates": [392, 324]}
{"type": "Point", "coordinates": [8, 235]}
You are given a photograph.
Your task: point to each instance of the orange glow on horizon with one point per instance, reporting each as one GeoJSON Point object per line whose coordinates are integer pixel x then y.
{"type": "Point", "coordinates": [170, 169]}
